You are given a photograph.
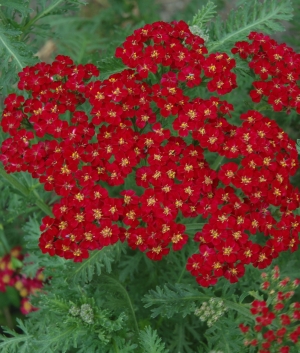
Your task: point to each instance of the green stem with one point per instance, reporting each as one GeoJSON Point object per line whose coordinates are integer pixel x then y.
{"type": "Point", "coordinates": [217, 162]}
{"type": "Point", "coordinates": [8, 317]}
{"type": "Point", "coordinates": [116, 349]}
{"type": "Point", "coordinates": [42, 14]}
{"type": "Point", "coordinates": [23, 190]}
{"type": "Point", "coordinates": [182, 273]}
{"type": "Point", "coordinates": [192, 297]}
{"type": "Point", "coordinates": [3, 240]}
{"type": "Point", "coordinates": [125, 294]}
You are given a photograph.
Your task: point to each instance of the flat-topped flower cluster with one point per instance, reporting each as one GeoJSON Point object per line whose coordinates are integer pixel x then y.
{"type": "Point", "coordinates": [137, 134]}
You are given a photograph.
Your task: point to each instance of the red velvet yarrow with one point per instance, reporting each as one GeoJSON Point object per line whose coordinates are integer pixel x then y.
{"type": "Point", "coordinates": [121, 139]}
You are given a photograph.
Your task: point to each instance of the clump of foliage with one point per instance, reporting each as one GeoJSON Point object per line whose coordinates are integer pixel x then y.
{"type": "Point", "coordinates": [128, 169]}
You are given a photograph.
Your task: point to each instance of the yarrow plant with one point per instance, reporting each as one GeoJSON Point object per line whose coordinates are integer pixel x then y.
{"type": "Point", "coordinates": [176, 152]}
{"type": "Point", "coordinates": [145, 129]}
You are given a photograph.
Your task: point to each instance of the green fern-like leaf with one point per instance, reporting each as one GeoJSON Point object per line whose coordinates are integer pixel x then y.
{"type": "Point", "coordinates": [121, 345]}
{"type": "Point", "coordinates": [182, 342]}
{"type": "Point", "coordinates": [98, 260]}
{"type": "Point", "coordinates": [16, 342]}
{"type": "Point", "coordinates": [150, 341]}
{"type": "Point", "coordinates": [109, 66]}
{"type": "Point", "coordinates": [16, 5]}
{"type": "Point", "coordinates": [254, 15]}
{"type": "Point", "coordinates": [204, 15]}
{"type": "Point", "coordinates": [225, 335]}
{"type": "Point", "coordinates": [36, 259]}
{"type": "Point", "coordinates": [173, 299]}
{"type": "Point", "coordinates": [14, 54]}
{"type": "Point", "coordinates": [54, 7]}
{"type": "Point", "coordinates": [130, 265]}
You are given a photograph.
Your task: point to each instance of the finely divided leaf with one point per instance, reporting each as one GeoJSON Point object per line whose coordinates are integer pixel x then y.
{"type": "Point", "coordinates": [173, 299]}
{"type": "Point", "coordinates": [204, 15]}
{"type": "Point", "coordinates": [99, 259]}
{"type": "Point", "coordinates": [16, 342]}
{"type": "Point", "coordinates": [109, 66]}
{"type": "Point", "coordinates": [17, 5]}
{"type": "Point", "coordinates": [15, 54]}
{"type": "Point", "coordinates": [254, 15]}
{"type": "Point", "coordinates": [150, 341]}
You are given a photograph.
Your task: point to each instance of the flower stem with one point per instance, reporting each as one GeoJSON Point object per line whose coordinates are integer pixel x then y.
{"type": "Point", "coordinates": [182, 273]}
{"type": "Point", "coordinates": [8, 317]}
{"type": "Point", "coordinates": [42, 14]}
{"type": "Point", "coordinates": [123, 290]}
{"type": "Point", "coordinates": [3, 241]}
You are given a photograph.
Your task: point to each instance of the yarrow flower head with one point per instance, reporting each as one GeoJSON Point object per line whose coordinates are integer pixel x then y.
{"type": "Point", "coordinates": [275, 328]}
{"type": "Point", "coordinates": [139, 128]}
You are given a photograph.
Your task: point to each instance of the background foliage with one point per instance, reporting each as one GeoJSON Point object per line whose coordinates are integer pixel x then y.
{"type": "Point", "coordinates": [137, 305]}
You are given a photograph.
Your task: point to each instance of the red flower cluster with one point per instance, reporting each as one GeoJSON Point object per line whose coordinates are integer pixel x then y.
{"type": "Point", "coordinates": [9, 276]}
{"type": "Point", "coordinates": [127, 138]}
{"type": "Point", "coordinates": [275, 329]}
{"type": "Point", "coordinates": [278, 67]}
{"type": "Point", "coordinates": [173, 45]}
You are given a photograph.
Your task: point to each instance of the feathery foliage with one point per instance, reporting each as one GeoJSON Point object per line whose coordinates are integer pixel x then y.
{"type": "Point", "coordinates": [84, 272]}
{"type": "Point", "coordinates": [14, 51]}
{"type": "Point", "coordinates": [20, 7]}
{"type": "Point", "coordinates": [224, 336]}
{"type": "Point", "coordinates": [150, 342]}
{"type": "Point", "coordinates": [109, 66]}
{"type": "Point", "coordinates": [13, 342]}
{"type": "Point", "coordinates": [173, 299]}
{"type": "Point", "coordinates": [204, 15]}
{"type": "Point", "coordinates": [118, 300]}
{"type": "Point", "coordinates": [265, 16]}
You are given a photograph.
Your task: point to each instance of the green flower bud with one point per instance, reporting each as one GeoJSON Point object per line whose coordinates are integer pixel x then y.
{"type": "Point", "coordinates": [74, 310]}
{"type": "Point", "coordinates": [86, 314]}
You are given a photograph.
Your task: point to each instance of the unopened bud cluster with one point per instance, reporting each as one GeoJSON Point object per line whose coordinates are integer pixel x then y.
{"type": "Point", "coordinates": [211, 311]}
{"type": "Point", "coordinates": [85, 312]}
